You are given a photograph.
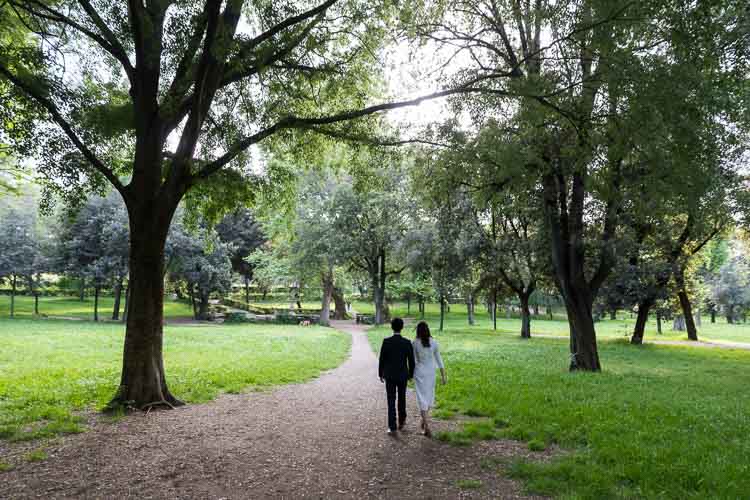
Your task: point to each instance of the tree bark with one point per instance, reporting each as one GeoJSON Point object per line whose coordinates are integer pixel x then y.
{"type": "Point", "coordinates": [127, 303]}
{"type": "Point", "coordinates": [82, 290]}
{"type": "Point", "coordinates": [326, 281]}
{"type": "Point", "coordinates": [525, 316]}
{"type": "Point", "coordinates": [378, 282]}
{"type": "Point", "coordinates": [584, 351]}
{"type": "Point", "coordinates": [143, 382]}
{"type": "Point", "coordinates": [118, 296]}
{"type": "Point", "coordinates": [338, 300]}
{"type": "Point", "coordinates": [644, 306]}
{"type": "Point", "coordinates": [247, 289]}
{"type": "Point", "coordinates": [96, 302]}
{"type": "Point", "coordinates": [36, 304]}
{"type": "Point", "coordinates": [687, 311]}
{"type": "Point", "coordinates": [713, 315]}
{"type": "Point", "coordinates": [408, 304]}
{"type": "Point", "coordinates": [203, 304]}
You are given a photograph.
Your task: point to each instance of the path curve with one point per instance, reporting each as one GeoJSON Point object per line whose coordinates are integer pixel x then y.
{"type": "Point", "coordinates": [321, 439]}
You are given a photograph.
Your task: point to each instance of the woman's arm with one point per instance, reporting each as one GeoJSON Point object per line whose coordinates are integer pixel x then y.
{"type": "Point", "coordinates": [439, 361]}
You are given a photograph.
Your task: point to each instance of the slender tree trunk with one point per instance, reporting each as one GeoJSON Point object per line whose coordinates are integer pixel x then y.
{"type": "Point", "coordinates": [421, 308]}
{"type": "Point", "coordinates": [494, 309]}
{"type": "Point", "coordinates": [13, 297]}
{"type": "Point", "coordinates": [408, 304]}
{"type": "Point", "coordinates": [442, 312]}
{"type": "Point", "coordinates": [713, 315]}
{"type": "Point", "coordinates": [536, 309]}
{"type": "Point", "coordinates": [698, 317]}
{"type": "Point", "coordinates": [118, 295]}
{"type": "Point", "coordinates": [143, 382]}
{"type": "Point", "coordinates": [658, 322]}
{"type": "Point", "coordinates": [96, 302]}
{"type": "Point", "coordinates": [378, 282]}
{"type": "Point", "coordinates": [82, 290]}
{"type": "Point", "coordinates": [326, 281]}
{"type": "Point", "coordinates": [470, 309]}
{"type": "Point", "coordinates": [338, 300]}
{"type": "Point", "coordinates": [730, 317]}
{"type": "Point", "coordinates": [687, 311]}
{"type": "Point", "coordinates": [247, 289]}
{"type": "Point", "coordinates": [191, 296]}
{"type": "Point", "coordinates": [613, 314]}
{"type": "Point", "coordinates": [644, 306]}
{"type": "Point", "coordinates": [36, 304]}
{"type": "Point", "coordinates": [523, 299]}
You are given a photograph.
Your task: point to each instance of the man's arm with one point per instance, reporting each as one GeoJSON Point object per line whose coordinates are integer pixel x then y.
{"type": "Point", "coordinates": [381, 361]}
{"type": "Point", "coordinates": [411, 361]}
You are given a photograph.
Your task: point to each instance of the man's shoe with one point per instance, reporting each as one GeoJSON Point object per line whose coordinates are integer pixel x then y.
{"type": "Point", "coordinates": [401, 426]}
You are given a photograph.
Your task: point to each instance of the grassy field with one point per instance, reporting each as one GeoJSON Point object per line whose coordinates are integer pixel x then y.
{"type": "Point", "coordinates": [73, 307]}
{"type": "Point", "coordinates": [50, 370]}
{"type": "Point", "coordinates": [622, 327]}
{"type": "Point", "coordinates": [658, 422]}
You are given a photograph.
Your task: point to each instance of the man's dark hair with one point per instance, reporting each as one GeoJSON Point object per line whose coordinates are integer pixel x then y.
{"type": "Point", "coordinates": [397, 324]}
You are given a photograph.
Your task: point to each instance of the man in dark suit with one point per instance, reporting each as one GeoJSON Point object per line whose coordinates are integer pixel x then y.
{"type": "Point", "coordinates": [396, 367]}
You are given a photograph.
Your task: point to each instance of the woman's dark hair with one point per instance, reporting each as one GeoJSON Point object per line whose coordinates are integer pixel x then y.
{"type": "Point", "coordinates": [423, 333]}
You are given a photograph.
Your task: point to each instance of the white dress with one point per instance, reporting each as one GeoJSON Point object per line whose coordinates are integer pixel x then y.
{"type": "Point", "coordinates": [427, 361]}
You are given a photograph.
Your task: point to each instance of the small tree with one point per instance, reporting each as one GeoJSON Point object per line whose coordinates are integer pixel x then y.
{"type": "Point", "coordinates": [20, 256]}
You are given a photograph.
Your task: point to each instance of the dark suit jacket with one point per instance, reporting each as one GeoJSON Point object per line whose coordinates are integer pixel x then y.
{"type": "Point", "coordinates": [396, 359]}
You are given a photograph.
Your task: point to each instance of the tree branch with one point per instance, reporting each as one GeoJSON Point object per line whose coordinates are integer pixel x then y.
{"type": "Point", "coordinates": [48, 105]}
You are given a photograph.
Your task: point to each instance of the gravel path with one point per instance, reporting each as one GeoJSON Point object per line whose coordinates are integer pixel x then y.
{"type": "Point", "coordinates": [322, 439]}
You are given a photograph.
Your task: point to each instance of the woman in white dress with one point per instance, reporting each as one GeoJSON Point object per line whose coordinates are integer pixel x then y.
{"type": "Point", "coordinates": [427, 356]}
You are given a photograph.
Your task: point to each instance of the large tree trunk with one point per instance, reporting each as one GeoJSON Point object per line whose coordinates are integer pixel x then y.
{"type": "Point", "coordinates": [326, 281]}
{"type": "Point", "coordinates": [143, 383]}
{"type": "Point", "coordinates": [525, 316]}
{"type": "Point", "coordinates": [338, 300]}
{"type": "Point", "coordinates": [203, 304]}
{"type": "Point", "coordinates": [97, 288]}
{"type": "Point", "coordinates": [118, 296]}
{"type": "Point", "coordinates": [644, 306]}
{"type": "Point", "coordinates": [584, 351]}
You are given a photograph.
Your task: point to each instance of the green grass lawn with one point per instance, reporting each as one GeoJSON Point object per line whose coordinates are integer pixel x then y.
{"type": "Point", "coordinates": [542, 325]}
{"type": "Point", "coordinates": [50, 370]}
{"type": "Point", "coordinates": [73, 307]}
{"type": "Point", "coordinates": [658, 422]}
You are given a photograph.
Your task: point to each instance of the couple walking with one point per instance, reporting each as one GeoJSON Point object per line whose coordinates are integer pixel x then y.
{"type": "Point", "coordinates": [402, 360]}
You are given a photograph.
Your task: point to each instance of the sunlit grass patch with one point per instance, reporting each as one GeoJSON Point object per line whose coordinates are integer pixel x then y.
{"type": "Point", "coordinates": [50, 371]}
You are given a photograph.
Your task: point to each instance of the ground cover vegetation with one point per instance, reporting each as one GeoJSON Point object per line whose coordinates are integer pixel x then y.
{"type": "Point", "coordinates": [585, 177]}
{"type": "Point", "coordinates": [55, 373]}
{"type": "Point", "coordinates": [637, 430]}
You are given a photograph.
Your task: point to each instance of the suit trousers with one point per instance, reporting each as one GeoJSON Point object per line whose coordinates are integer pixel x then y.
{"type": "Point", "coordinates": [392, 387]}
